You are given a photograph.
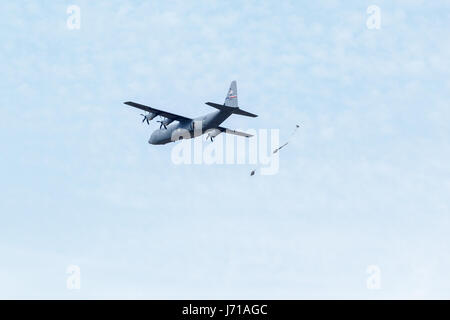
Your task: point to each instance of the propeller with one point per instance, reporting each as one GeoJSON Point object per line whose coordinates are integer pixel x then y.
{"type": "Point", "coordinates": [145, 118]}
{"type": "Point", "coordinates": [164, 123]}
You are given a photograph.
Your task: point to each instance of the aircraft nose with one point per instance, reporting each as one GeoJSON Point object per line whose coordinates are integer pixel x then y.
{"type": "Point", "coordinates": [155, 138]}
{"type": "Point", "coordinates": [152, 138]}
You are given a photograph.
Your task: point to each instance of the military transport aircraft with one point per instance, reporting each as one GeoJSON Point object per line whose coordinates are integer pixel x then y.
{"type": "Point", "coordinates": [187, 128]}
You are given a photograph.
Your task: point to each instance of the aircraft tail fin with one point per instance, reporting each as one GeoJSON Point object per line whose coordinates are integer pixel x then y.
{"type": "Point", "coordinates": [231, 100]}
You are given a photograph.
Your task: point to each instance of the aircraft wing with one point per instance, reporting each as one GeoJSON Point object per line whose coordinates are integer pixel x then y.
{"type": "Point", "coordinates": [237, 133]}
{"type": "Point", "coordinates": [158, 112]}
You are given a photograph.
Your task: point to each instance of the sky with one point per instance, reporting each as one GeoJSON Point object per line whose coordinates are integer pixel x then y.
{"type": "Point", "coordinates": [364, 185]}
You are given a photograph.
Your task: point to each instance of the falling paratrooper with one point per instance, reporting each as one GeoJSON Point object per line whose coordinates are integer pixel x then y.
{"type": "Point", "coordinates": [252, 173]}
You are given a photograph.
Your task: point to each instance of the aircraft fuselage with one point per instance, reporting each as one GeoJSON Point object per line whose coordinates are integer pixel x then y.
{"type": "Point", "coordinates": [179, 130]}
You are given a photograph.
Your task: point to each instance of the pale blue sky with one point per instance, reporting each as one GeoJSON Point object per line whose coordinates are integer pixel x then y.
{"type": "Point", "coordinates": [365, 182]}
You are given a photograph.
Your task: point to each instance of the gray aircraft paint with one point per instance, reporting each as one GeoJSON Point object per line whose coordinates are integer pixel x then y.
{"type": "Point", "coordinates": [187, 128]}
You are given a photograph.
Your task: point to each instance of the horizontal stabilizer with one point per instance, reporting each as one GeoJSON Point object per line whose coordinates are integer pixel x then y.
{"type": "Point", "coordinates": [245, 113]}
{"type": "Point", "coordinates": [235, 132]}
{"type": "Point", "coordinates": [221, 106]}
{"type": "Point", "coordinates": [234, 110]}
